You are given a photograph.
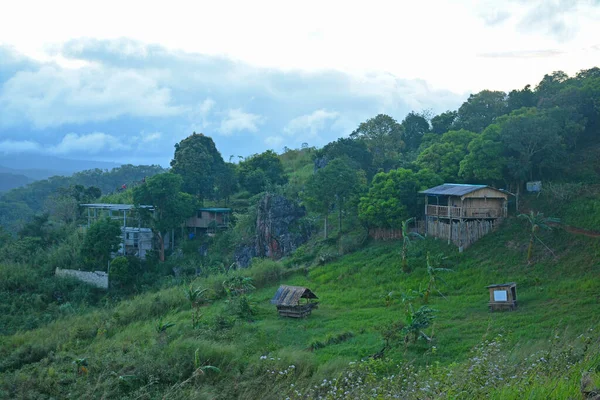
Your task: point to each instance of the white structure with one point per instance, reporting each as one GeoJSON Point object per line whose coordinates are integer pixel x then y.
{"type": "Point", "coordinates": [136, 240]}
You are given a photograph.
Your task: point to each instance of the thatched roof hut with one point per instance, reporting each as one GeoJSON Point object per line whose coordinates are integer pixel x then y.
{"type": "Point", "coordinates": [288, 299]}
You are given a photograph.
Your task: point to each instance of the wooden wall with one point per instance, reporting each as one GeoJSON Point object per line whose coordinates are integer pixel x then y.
{"type": "Point", "coordinates": [462, 234]}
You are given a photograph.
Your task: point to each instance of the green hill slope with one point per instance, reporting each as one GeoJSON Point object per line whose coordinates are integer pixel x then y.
{"type": "Point", "coordinates": [125, 351]}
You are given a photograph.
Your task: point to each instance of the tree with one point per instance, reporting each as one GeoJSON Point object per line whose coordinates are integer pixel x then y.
{"type": "Point", "coordinates": [444, 157]}
{"type": "Point", "coordinates": [521, 98]}
{"type": "Point", "coordinates": [444, 122]}
{"type": "Point", "coordinates": [536, 222]}
{"type": "Point", "coordinates": [532, 143]}
{"type": "Point", "coordinates": [355, 150]}
{"type": "Point", "coordinates": [550, 85]}
{"type": "Point", "coordinates": [101, 239]}
{"type": "Point", "coordinates": [480, 110]}
{"type": "Point", "coordinates": [120, 273]}
{"type": "Point", "coordinates": [393, 197]}
{"type": "Point", "coordinates": [485, 160]}
{"type": "Point", "coordinates": [261, 170]}
{"type": "Point", "coordinates": [331, 185]}
{"type": "Point", "coordinates": [383, 137]}
{"type": "Point", "coordinates": [170, 206]}
{"type": "Point", "coordinates": [415, 125]}
{"type": "Point", "coordinates": [198, 162]}
{"type": "Point", "coordinates": [227, 181]}
{"type": "Point", "coordinates": [406, 241]}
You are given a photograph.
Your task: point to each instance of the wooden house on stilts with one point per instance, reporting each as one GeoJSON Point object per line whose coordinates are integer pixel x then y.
{"type": "Point", "coordinates": [462, 213]}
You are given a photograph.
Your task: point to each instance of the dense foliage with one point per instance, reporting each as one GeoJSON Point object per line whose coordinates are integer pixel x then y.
{"type": "Point", "coordinates": [392, 322]}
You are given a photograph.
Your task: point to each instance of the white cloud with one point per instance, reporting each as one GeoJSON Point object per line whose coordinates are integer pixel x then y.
{"type": "Point", "coordinates": [274, 141]}
{"type": "Point", "coordinates": [19, 146]}
{"type": "Point", "coordinates": [51, 96]}
{"type": "Point", "coordinates": [238, 120]}
{"type": "Point", "coordinates": [70, 144]}
{"type": "Point", "coordinates": [206, 106]}
{"type": "Point", "coordinates": [310, 124]}
{"type": "Point", "coordinates": [92, 143]}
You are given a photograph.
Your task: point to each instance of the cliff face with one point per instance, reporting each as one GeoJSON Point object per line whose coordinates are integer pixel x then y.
{"type": "Point", "coordinates": [279, 230]}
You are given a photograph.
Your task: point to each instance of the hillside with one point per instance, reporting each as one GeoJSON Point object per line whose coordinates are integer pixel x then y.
{"type": "Point", "coordinates": [128, 355]}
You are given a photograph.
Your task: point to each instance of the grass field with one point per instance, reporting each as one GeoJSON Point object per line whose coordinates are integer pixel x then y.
{"type": "Point", "coordinates": [124, 352]}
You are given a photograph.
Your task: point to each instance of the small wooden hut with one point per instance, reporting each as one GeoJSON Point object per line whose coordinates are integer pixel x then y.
{"type": "Point", "coordinates": [288, 300]}
{"type": "Point", "coordinates": [503, 296]}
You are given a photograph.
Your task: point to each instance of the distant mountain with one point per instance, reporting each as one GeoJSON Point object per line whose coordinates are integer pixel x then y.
{"type": "Point", "coordinates": [37, 166]}
{"type": "Point", "coordinates": [10, 181]}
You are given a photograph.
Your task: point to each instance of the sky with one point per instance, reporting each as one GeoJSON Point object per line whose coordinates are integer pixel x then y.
{"type": "Point", "coordinates": [124, 81]}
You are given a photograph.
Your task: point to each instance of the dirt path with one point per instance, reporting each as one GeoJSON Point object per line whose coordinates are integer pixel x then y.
{"type": "Point", "coordinates": [577, 231]}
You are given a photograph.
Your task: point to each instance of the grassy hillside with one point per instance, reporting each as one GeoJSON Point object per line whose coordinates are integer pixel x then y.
{"type": "Point", "coordinates": [124, 350]}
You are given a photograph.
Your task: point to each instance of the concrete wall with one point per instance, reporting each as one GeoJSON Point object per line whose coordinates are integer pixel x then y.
{"type": "Point", "coordinates": [96, 278]}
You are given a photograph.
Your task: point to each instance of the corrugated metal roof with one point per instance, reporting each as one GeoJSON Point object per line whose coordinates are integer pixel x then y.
{"type": "Point", "coordinates": [291, 295]}
{"type": "Point", "coordinates": [114, 207]}
{"type": "Point", "coordinates": [454, 189]}
{"type": "Point", "coordinates": [215, 209]}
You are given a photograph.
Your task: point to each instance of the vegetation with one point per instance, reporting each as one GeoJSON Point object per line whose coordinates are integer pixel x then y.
{"type": "Point", "coordinates": [61, 338]}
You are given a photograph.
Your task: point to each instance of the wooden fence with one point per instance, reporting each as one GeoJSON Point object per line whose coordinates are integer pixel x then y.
{"type": "Point", "coordinates": [462, 234]}
{"type": "Point", "coordinates": [396, 234]}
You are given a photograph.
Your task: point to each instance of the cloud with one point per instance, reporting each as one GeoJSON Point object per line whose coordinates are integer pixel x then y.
{"type": "Point", "coordinates": [52, 96]}
{"type": "Point", "coordinates": [274, 141]}
{"type": "Point", "coordinates": [145, 98]}
{"type": "Point", "coordinates": [19, 146]}
{"type": "Point", "coordinates": [522, 54]}
{"type": "Point", "coordinates": [92, 143]}
{"type": "Point", "coordinates": [494, 16]}
{"type": "Point", "coordinates": [71, 143]}
{"type": "Point", "coordinates": [310, 124]}
{"type": "Point", "coordinates": [238, 120]}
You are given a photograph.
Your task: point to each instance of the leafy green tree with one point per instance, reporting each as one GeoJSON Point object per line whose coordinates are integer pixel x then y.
{"type": "Point", "coordinates": [383, 137]}
{"type": "Point", "coordinates": [532, 143]}
{"type": "Point", "coordinates": [199, 163]}
{"type": "Point", "coordinates": [521, 98]}
{"type": "Point", "coordinates": [101, 239]}
{"type": "Point", "coordinates": [443, 122]}
{"type": "Point", "coordinates": [536, 221]}
{"type": "Point", "coordinates": [444, 157]}
{"type": "Point", "coordinates": [355, 150]}
{"type": "Point", "coordinates": [485, 160]}
{"type": "Point", "coordinates": [261, 170]}
{"type": "Point", "coordinates": [481, 109]}
{"type": "Point", "coordinates": [393, 197]}
{"type": "Point", "coordinates": [171, 207]}
{"type": "Point", "coordinates": [227, 182]}
{"type": "Point", "coordinates": [331, 185]}
{"type": "Point", "coordinates": [550, 85]}
{"type": "Point", "coordinates": [415, 125]}
{"type": "Point", "coordinates": [120, 273]}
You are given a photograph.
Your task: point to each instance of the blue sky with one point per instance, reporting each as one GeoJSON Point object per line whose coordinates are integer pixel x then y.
{"type": "Point", "coordinates": [125, 83]}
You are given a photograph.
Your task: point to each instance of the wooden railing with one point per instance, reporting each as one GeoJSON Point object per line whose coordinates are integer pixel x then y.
{"type": "Point", "coordinates": [463, 212]}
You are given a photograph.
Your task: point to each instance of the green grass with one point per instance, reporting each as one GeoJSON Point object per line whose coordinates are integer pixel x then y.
{"type": "Point", "coordinates": [127, 357]}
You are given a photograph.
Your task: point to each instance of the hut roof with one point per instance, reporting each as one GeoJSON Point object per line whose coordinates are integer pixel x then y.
{"type": "Point", "coordinates": [509, 284]}
{"type": "Point", "coordinates": [291, 295]}
{"type": "Point", "coordinates": [453, 189]}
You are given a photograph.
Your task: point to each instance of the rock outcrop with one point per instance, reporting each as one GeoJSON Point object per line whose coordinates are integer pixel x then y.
{"type": "Point", "coordinates": [279, 230]}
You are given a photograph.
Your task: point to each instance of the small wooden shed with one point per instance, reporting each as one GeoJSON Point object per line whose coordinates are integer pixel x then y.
{"type": "Point", "coordinates": [503, 296]}
{"type": "Point", "coordinates": [288, 300]}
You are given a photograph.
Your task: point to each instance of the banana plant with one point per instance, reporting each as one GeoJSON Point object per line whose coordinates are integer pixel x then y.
{"type": "Point", "coordinates": [433, 273]}
{"type": "Point", "coordinates": [407, 235]}
{"type": "Point", "coordinates": [536, 222]}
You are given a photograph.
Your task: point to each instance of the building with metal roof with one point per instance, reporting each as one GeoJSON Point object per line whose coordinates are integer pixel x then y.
{"type": "Point", "coordinates": [463, 213]}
